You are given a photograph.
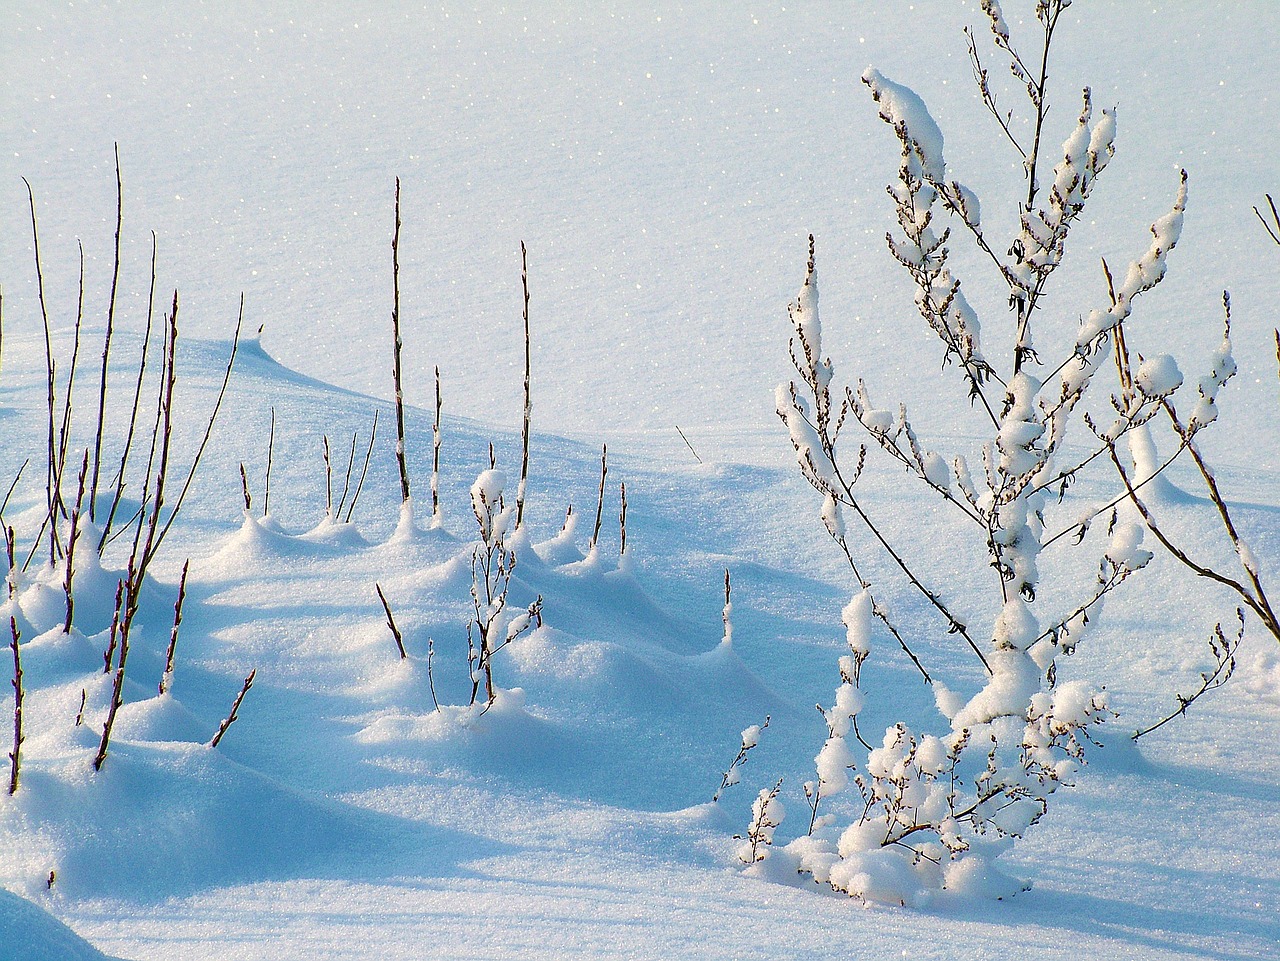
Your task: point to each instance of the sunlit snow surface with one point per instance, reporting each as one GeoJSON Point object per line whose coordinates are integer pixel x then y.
{"type": "Point", "coordinates": [665, 166]}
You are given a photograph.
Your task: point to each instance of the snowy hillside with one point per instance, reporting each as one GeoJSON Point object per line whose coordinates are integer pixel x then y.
{"type": "Point", "coordinates": [665, 166]}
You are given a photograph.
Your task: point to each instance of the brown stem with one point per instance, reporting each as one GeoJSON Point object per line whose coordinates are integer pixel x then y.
{"type": "Point", "coordinates": [105, 539]}
{"type": "Point", "coordinates": [235, 709]}
{"type": "Point", "coordinates": [528, 405]}
{"type": "Point", "coordinates": [395, 328]}
{"type": "Point", "coordinates": [364, 470]}
{"type": "Point", "coordinates": [15, 758]}
{"type": "Point", "coordinates": [391, 622]}
{"type": "Point", "coordinates": [604, 472]}
{"type": "Point", "coordinates": [72, 537]}
{"type": "Point", "coordinates": [166, 679]}
{"type": "Point", "coordinates": [106, 342]}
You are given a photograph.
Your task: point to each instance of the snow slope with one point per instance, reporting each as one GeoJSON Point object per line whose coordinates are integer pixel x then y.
{"type": "Point", "coordinates": [664, 165]}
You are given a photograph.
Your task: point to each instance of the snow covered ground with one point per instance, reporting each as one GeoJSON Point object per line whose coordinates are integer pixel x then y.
{"type": "Point", "coordinates": [665, 165]}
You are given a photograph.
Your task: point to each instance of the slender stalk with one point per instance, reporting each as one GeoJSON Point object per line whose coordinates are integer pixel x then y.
{"type": "Point", "coordinates": [365, 469]}
{"type": "Point", "coordinates": [105, 539]}
{"type": "Point", "coordinates": [235, 709]}
{"type": "Point", "coordinates": [346, 481]}
{"type": "Point", "coordinates": [12, 487]}
{"type": "Point", "coordinates": [521, 490]}
{"type": "Point", "coordinates": [395, 328]}
{"type": "Point", "coordinates": [50, 471]}
{"type": "Point", "coordinates": [125, 621]}
{"type": "Point", "coordinates": [431, 682]}
{"type": "Point", "coordinates": [208, 430]}
{"type": "Point", "coordinates": [150, 545]}
{"type": "Point", "coordinates": [435, 455]}
{"type": "Point", "coordinates": [113, 637]}
{"type": "Point", "coordinates": [622, 524]}
{"type": "Point", "coordinates": [15, 757]}
{"type": "Point", "coordinates": [106, 342]}
{"type": "Point", "coordinates": [687, 444]}
{"type": "Point", "coordinates": [166, 680]}
{"type": "Point", "coordinates": [328, 477]}
{"type": "Point", "coordinates": [391, 623]}
{"type": "Point", "coordinates": [64, 432]}
{"type": "Point", "coordinates": [271, 445]}
{"type": "Point", "coordinates": [726, 615]}
{"type": "Point", "coordinates": [1224, 654]}
{"type": "Point", "coordinates": [71, 545]}
{"type": "Point", "coordinates": [604, 472]}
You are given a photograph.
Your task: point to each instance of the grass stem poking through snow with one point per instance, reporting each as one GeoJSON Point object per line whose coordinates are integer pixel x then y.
{"type": "Point", "coordinates": [9, 553]}
{"type": "Point", "coordinates": [64, 432]}
{"type": "Point", "coordinates": [235, 709]}
{"type": "Point", "coordinates": [105, 538]}
{"type": "Point", "coordinates": [1272, 228]}
{"type": "Point", "coordinates": [15, 758]}
{"type": "Point", "coordinates": [328, 478]}
{"type": "Point", "coordinates": [166, 679]}
{"type": "Point", "coordinates": [391, 622]}
{"type": "Point", "coordinates": [9, 493]}
{"type": "Point", "coordinates": [271, 446]}
{"type": "Point", "coordinates": [72, 538]}
{"type": "Point", "coordinates": [244, 489]}
{"type": "Point", "coordinates": [435, 457]}
{"type": "Point", "coordinates": [687, 444]}
{"type": "Point", "coordinates": [50, 467]}
{"type": "Point", "coordinates": [124, 618]}
{"type": "Point", "coordinates": [431, 680]}
{"type": "Point", "coordinates": [113, 635]}
{"type": "Point", "coordinates": [346, 479]}
{"type": "Point", "coordinates": [84, 698]}
{"type": "Point", "coordinates": [622, 522]}
{"type": "Point", "coordinates": [208, 431]}
{"type": "Point", "coordinates": [726, 615]}
{"type": "Point", "coordinates": [106, 343]}
{"type": "Point", "coordinates": [750, 738]}
{"type": "Point", "coordinates": [521, 489]}
{"type": "Point", "coordinates": [604, 472]}
{"type": "Point", "coordinates": [365, 469]}
{"type": "Point", "coordinates": [396, 348]}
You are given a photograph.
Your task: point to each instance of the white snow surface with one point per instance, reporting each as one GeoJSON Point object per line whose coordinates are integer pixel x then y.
{"type": "Point", "coordinates": [664, 163]}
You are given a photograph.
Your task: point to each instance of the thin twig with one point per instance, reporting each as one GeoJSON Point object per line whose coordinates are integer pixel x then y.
{"type": "Point", "coordinates": [51, 467]}
{"type": "Point", "coordinates": [395, 328]}
{"type": "Point", "coordinates": [106, 538]}
{"type": "Point", "coordinates": [435, 456]}
{"type": "Point", "coordinates": [365, 469]}
{"type": "Point", "coordinates": [346, 480]}
{"type": "Point", "coordinates": [213, 417]}
{"type": "Point", "coordinates": [235, 709]}
{"type": "Point", "coordinates": [528, 405]}
{"type": "Point", "coordinates": [106, 342]}
{"type": "Point", "coordinates": [166, 679]}
{"type": "Point", "coordinates": [328, 477]}
{"type": "Point", "coordinates": [271, 446]}
{"type": "Point", "coordinates": [15, 757]}
{"type": "Point", "coordinates": [391, 622]}
{"type": "Point", "coordinates": [604, 472]}
{"type": "Point", "coordinates": [1224, 654]}
{"type": "Point", "coordinates": [687, 444]}
{"type": "Point", "coordinates": [72, 537]}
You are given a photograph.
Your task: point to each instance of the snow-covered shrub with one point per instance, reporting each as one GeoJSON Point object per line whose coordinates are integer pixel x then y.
{"type": "Point", "coordinates": [936, 803]}
{"type": "Point", "coordinates": [767, 812]}
{"type": "Point", "coordinates": [493, 626]}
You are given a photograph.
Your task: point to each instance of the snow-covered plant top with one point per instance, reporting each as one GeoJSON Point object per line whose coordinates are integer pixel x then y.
{"type": "Point", "coordinates": [937, 803]}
